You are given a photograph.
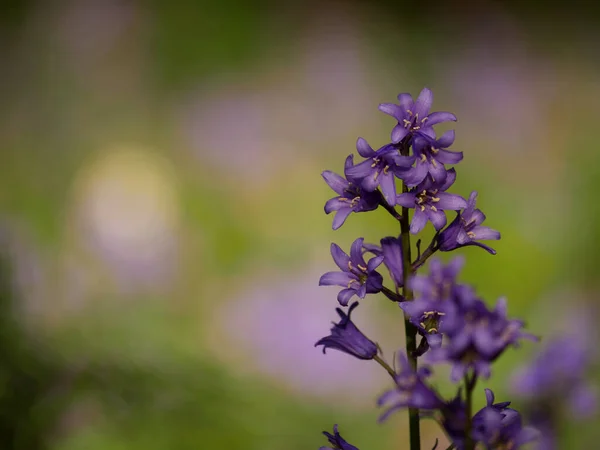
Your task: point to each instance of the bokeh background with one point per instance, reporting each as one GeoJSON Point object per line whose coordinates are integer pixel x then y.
{"type": "Point", "coordinates": [162, 207]}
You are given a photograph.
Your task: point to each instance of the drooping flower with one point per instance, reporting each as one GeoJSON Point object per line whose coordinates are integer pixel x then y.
{"type": "Point", "coordinates": [337, 441]}
{"type": "Point", "coordinates": [410, 391]}
{"type": "Point", "coordinates": [413, 116]}
{"type": "Point", "coordinates": [351, 197]}
{"type": "Point", "coordinates": [347, 338]}
{"type": "Point", "coordinates": [379, 168]}
{"type": "Point", "coordinates": [431, 155]}
{"type": "Point", "coordinates": [476, 337]}
{"type": "Point", "coordinates": [436, 295]}
{"type": "Point", "coordinates": [430, 201]}
{"type": "Point", "coordinates": [357, 277]}
{"type": "Point", "coordinates": [466, 229]}
{"type": "Point", "coordinates": [391, 250]}
{"type": "Point", "coordinates": [499, 427]}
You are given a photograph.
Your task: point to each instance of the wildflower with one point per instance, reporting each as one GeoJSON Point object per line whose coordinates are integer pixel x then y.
{"type": "Point", "coordinates": [347, 338]}
{"type": "Point", "coordinates": [379, 168]}
{"type": "Point", "coordinates": [337, 441]}
{"type": "Point", "coordinates": [466, 229]}
{"type": "Point", "coordinates": [351, 197]}
{"type": "Point", "coordinates": [431, 155]}
{"type": "Point", "coordinates": [430, 201]}
{"type": "Point", "coordinates": [413, 116]}
{"type": "Point", "coordinates": [410, 390]}
{"type": "Point", "coordinates": [500, 427]}
{"type": "Point", "coordinates": [476, 337]}
{"type": "Point", "coordinates": [436, 295]}
{"type": "Point", "coordinates": [356, 276]}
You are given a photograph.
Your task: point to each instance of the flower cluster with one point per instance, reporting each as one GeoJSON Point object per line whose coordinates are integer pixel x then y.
{"type": "Point", "coordinates": [455, 326]}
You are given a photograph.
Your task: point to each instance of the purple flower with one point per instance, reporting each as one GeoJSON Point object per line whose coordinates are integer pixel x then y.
{"type": "Point", "coordinates": [431, 155]}
{"type": "Point", "coordinates": [436, 295]}
{"type": "Point", "coordinates": [391, 250]}
{"type": "Point", "coordinates": [379, 168]}
{"type": "Point", "coordinates": [466, 229]}
{"type": "Point", "coordinates": [430, 201]}
{"type": "Point", "coordinates": [554, 385]}
{"type": "Point", "coordinates": [347, 338]}
{"type": "Point", "coordinates": [453, 418]}
{"type": "Point", "coordinates": [410, 391]}
{"type": "Point", "coordinates": [337, 441]}
{"type": "Point", "coordinates": [498, 426]}
{"type": "Point", "coordinates": [357, 277]}
{"type": "Point", "coordinates": [476, 336]}
{"type": "Point", "coordinates": [352, 198]}
{"type": "Point", "coordinates": [414, 117]}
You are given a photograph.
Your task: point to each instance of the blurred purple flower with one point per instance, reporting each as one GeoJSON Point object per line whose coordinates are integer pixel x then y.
{"type": "Point", "coordinates": [430, 201]}
{"type": "Point", "coordinates": [356, 277]}
{"type": "Point", "coordinates": [352, 198]}
{"type": "Point", "coordinates": [379, 168]}
{"type": "Point", "coordinates": [410, 390]}
{"type": "Point", "coordinates": [466, 229]}
{"type": "Point", "coordinates": [436, 295]}
{"type": "Point", "coordinates": [476, 337]}
{"type": "Point", "coordinates": [498, 426]}
{"type": "Point", "coordinates": [347, 338]}
{"type": "Point", "coordinates": [337, 441]}
{"type": "Point", "coordinates": [272, 325]}
{"type": "Point", "coordinates": [413, 116]}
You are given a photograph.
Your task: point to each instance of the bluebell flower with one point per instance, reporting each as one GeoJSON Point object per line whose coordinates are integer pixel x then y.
{"type": "Point", "coordinates": [499, 427]}
{"type": "Point", "coordinates": [347, 338]}
{"type": "Point", "coordinates": [410, 391]}
{"type": "Point", "coordinates": [430, 201]}
{"type": "Point", "coordinates": [436, 295]}
{"type": "Point", "coordinates": [380, 168]}
{"type": "Point", "coordinates": [476, 337]}
{"type": "Point", "coordinates": [357, 277]}
{"type": "Point", "coordinates": [351, 197]}
{"type": "Point", "coordinates": [413, 116]}
{"type": "Point", "coordinates": [466, 229]}
{"type": "Point", "coordinates": [431, 154]}
{"type": "Point", "coordinates": [337, 441]}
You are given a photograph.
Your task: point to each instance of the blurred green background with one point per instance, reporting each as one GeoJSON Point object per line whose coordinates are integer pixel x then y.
{"type": "Point", "coordinates": [162, 206]}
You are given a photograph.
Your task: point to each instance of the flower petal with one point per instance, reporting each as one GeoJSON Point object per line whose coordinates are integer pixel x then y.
{"type": "Point", "coordinates": [418, 222]}
{"type": "Point", "coordinates": [406, 101]}
{"type": "Point", "coordinates": [439, 117]}
{"type": "Point", "coordinates": [450, 202]}
{"type": "Point", "coordinates": [361, 170]}
{"type": "Point", "coordinates": [356, 254]}
{"type": "Point", "coordinates": [345, 295]}
{"type": "Point", "coordinates": [407, 199]}
{"type": "Point", "coordinates": [392, 253]}
{"type": "Point", "coordinates": [388, 187]}
{"type": "Point", "coordinates": [335, 181]}
{"type": "Point", "coordinates": [445, 140]}
{"type": "Point", "coordinates": [340, 217]}
{"type": "Point", "coordinates": [417, 174]}
{"type": "Point", "coordinates": [448, 157]}
{"type": "Point", "coordinates": [363, 148]}
{"type": "Point", "coordinates": [393, 110]}
{"type": "Point", "coordinates": [340, 257]}
{"type": "Point", "coordinates": [336, 279]}
{"type": "Point", "coordinates": [450, 179]}
{"type": "Point", "coordinates": [374, 263]}
{"type": "Point", "coordinates": [423, 104]}
{"type": "Point", "coordinates": [485, 233]}
{"type": "Point", "coordinates": [438, 218]}
{"type": "Point", "coordinates": [437, 171]}
{"type": "Point", "coordinates": [398, 133]}
{"type": "Point", "coordinates": [333, 204]}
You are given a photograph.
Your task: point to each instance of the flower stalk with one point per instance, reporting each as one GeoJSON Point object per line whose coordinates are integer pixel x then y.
{"type": "Point", "coordinates": [410, 331]}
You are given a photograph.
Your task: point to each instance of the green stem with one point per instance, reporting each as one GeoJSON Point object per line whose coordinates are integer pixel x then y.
{"type": "Point", "coordinates": [393, 296]}
{"type": "Point", "coordinates": [409, 329]}
{"type": "Point", "coordinates": [386, 366]}
{"type": "Point", "coordinates": [470, 381]}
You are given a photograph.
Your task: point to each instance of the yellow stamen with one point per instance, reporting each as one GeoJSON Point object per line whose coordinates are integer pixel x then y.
{"type": "Point", "coordinates": [433, 208]}
{"type": "Point", "coordinates": [364, 269]}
